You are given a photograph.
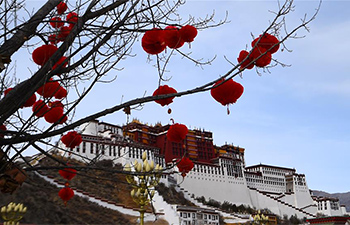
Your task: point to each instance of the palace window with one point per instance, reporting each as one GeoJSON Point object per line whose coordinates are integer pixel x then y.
{"type": "Point", "coordinates": [84, 147]}
{"type": "Point", "coordinates": [103, 149]}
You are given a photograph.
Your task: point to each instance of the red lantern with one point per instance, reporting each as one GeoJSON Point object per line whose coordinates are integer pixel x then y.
{"type": "Point", "coordinates": [163, 90]}
{"type": "Point", "coordinates": [71, 139]}
{"type": "Point", "coordinates": [49, 89]}
{"type": "Point", "coordinates": [3, 128]}
{"type": "Point", "coordinates": [228, 92]}
{"type": "Point", "coordinates": [66, 194]}
{"type": "Point", "coordinates": [56, 104]}
{"type": "Point", "coordinates": [188, 33]}
{"type": "Point", "coordinates": [245, 60]}
{"type": "Point", "coordinates": [61, 93]}
{"type": "Point", "coordinates": [7, 91]}
{"type": "Point", "coordinates": [64, 32]}
{"type": "Point", "coordinates": [53, 39]}
{"type": "Point", "coordinates": [30, 101]}
{"type": "Point", "coordinates": [177, 132]}
{"type": "Point", "coordinates": [61, 7]}
{"type": "Point", "coordinates": [185, 165]}
{"type": "Point", "coordinates": [43, 53]}
{"type": "Point", "coordinates": [54, 114]}
{"type": "Point", "coordinates": [267, 41]}
{"type": "Point", "coordinates": [40, 108]}
{"type": "Point", "coordinates": [264, 60]}
{"type": "Point", "coordinates": [153, 41]}
{"type": "Point", "coordinates": [172, 37]}
{"type": "Point", "coordinates": [60, 63]}
{"type": "Point", "coordinates": [68, 173]}
{"type": "Point", "coordinates": [56, 22]}
{"type": "Point", "coordinates": [72, 18]}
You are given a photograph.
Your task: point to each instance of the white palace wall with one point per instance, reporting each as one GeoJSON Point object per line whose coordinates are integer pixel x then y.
{"type": "Point", "coordinates": [218, 187]}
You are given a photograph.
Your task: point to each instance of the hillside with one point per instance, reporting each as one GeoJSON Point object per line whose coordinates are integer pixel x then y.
{"type": "Point", "coordinates": [344, 198]}
{"type": "Point", "coordinates": [45, 206]}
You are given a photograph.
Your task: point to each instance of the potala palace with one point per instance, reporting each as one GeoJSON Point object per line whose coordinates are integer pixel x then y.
{"type": "Point", "coordinates": [220, 172]}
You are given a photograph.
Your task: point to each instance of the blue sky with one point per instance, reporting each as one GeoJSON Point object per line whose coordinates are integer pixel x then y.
{"type": "Point", "coordinates": [294, 117]}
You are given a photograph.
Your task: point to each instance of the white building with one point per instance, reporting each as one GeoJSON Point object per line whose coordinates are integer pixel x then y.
{"type": "Point", "coordinates": [329, 206]}
{"type": "Point", "coordinates": [223, 177]}
{"type": "Point", "coordinates": [197, 216]}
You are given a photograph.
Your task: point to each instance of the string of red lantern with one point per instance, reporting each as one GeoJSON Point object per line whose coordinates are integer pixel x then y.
{"type": "Point", "coordinates": [53, 112]}
{"type": "Point", "coordinates": [156, 40]}
{"type": "Point", "coordinates": [41, 55]}
{"type": "Point", "coordinates": [263, 48]}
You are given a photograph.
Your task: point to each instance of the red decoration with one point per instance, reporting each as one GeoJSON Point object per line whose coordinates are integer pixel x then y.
{"type": "Point", "coordinates": [43, 53]}
{"type": "Point", "coordinates": [163, 90]}
{"type": "Point", "coordinates": [40, 108]}
{"type": "Point", "coordinates": [30, 101]}
{"type": "Point", "coordinates": [53, 39]}
{"type": "Point", "coordinates": [64, 32]}
{"type": "Point", "coordinates": [49, 89]}
{"type": "Point", "coordinates": [61, 7]}
{"type": "Point", "coordinates": [153, 41]}
{"type": "Point", "coordinates": [68, 173]}
{"type": "Point", "coordinates": [3, 128]}
{"type": "Point", "coordinates": [72, 19]}
{"type": "Point", "coordinates": [71, 139]}
{"type": "Point", "coordinates": [172, 37]}
{"type": "Point", "coordinates": [54, 114]}
{"type": "Point", "coordinates": [59, 62]}
{"type": "Point", "coordinates": [56, 22]}
{"type": "Point", "coordinates": [188, 33]}
{"type": "Point", "coordinates": [56, 104]}
{"type": "Point", "coordinates": [66, 194]}
{"type": "Point", "coordinates": [7, 91]}
{"type": "Point", "coordinates": [185, 165]}
{"type": "Point", "coordinates": [177, 132]}
{"type": "Point", "coordinates": [228, 92]}
{"type": "Point", "coordinates": [243, 57]}
{"type": "Point", "coordinates": [267, 41]}
{"type": "Point", "coordinates": [61, 93]}
{"type": "Point", "coordinates": [264, 60]}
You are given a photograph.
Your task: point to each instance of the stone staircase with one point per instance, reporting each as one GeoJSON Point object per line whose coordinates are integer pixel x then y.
{"type": "Point", "coordinates": [284, 203]}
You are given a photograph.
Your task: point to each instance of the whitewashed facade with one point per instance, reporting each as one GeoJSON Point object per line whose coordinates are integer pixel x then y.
{"type": "Point", "coordinates": [226, 178]}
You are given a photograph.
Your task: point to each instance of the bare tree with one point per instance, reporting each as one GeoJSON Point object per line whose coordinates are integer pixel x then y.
{"type": "Point", "coordinates": [100, 38]}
